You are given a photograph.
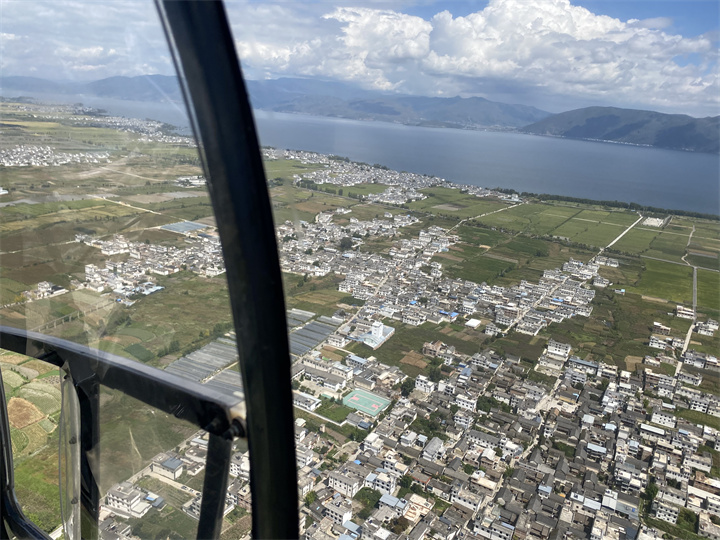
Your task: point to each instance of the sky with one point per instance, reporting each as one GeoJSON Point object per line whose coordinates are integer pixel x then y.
{"type": "Point", "coordinates": [553, 54]}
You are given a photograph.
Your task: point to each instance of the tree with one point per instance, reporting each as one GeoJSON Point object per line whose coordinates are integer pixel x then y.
{"type": "Point", "coordinates": [345, 243]}
{"type": "Point", "coordinates": [434, 374]}
{"type": "Point", "coordinates": [310, 498]}
{"type": "Point", "coordinates": [407, 387]}
{"type": "Point", "coordinates": [651, 492]}
{"type": "Point", "coordinates": [454, 409]}
{"type": "Point", "coordinates": [398, 525]}
{"type": "Point", "coordinates": [405, 481]}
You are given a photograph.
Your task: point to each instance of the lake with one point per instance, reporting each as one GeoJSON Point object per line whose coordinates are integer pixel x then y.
{"type": "Point", "coordinates": [586, 169]}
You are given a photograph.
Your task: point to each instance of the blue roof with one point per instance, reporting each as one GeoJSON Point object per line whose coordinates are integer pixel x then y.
{"type": "Point", "coordinates": [172, 463]}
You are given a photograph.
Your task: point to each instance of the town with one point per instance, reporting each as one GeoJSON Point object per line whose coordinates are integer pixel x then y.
{"type": "Point", "coordinates": [485, 445]}
{"type": "Point", "coordinates": [466, 363]}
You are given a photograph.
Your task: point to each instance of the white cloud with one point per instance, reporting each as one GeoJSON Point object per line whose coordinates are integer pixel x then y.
{"type": "Point", "coordinates": [547, 47]}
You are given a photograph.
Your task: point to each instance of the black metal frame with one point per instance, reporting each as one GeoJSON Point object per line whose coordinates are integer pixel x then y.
{"type": "Point", "coordinates": [219, 414]}
{"type": "Point", "coordinates": [211, 78]}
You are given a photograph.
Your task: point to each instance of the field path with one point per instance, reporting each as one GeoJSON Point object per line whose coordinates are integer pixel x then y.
{"type": "Point", "coordinates": [622, 234]}
{"type": "Point", "coordinates": [483, 215]}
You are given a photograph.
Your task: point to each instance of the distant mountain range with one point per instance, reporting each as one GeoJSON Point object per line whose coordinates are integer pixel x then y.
{"type": "Point", "coordinates": [673, 131]}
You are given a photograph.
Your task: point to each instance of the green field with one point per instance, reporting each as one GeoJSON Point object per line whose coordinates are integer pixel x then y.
{"type": "Point", "coordinates": [665, 280]}
{"type": "Point", "coordinates": [636, 241]}
{"type": "Point", "coordinates": [708, 289]}
{"type": "Point", "coordinates": [141, 334]}
{"type": "Point", "coordinates": [333, 411]}
{"type": "Point", "coordinates": [131, 433]}
{"type": "Point", "coordinates": [467, 262]}
{"type": "Point", "coordinates": [444, 201]}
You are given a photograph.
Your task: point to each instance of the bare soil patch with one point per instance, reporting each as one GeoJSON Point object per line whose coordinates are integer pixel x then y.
{"type": "Point", "coordinates": [13, 358]}
{"type": "Point", "coordinates": [40, 366]}
{"type": "Point", "coordinates": [414, 359]}
{"type": "Point", "coordinates": [500, 257]}
{"type": "Point", "coordinates": [331, 355]}
{"type": "Point", "coordinates": [631, 362]}
{"type": "Point", "coordinates": [449, 257]}
{"type": "Point", "coordinates": [209, 221]}
{"type": "Point", "coordinates": [22, 413]}
{"type": "Point", "coordinates": [149, 199]}
{"type": "Point", "coordinates": [448, 207]}
{"type": "Point", "coordinates": [654, 299]}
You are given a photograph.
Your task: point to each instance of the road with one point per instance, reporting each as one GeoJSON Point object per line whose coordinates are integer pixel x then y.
{"type": "Point", "coordinates": [688, 336]}
{"type": "Point", "coordinates": [622, 234]}
{"type": "Point", "coordinates": [483, 215]}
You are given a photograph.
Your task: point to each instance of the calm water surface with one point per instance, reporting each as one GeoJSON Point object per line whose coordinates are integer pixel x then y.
{"type": "Point", "coordinates": [593, 170]}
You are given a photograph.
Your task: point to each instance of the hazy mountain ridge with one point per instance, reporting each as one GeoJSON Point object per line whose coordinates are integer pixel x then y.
{"type": "Point", "coordinates": [310, 97]}
{"type": "Point", "coordinates": [341, 100]}
{"type": "Point", "coordinates": [632, 126]}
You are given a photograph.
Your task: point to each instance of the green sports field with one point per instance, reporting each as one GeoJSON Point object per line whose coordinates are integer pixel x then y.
{"type": "Point", "coordinates": [366, 402]}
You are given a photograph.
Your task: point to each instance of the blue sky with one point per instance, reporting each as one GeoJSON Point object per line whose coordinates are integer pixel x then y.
{"type": "Point", "coordinates": [552, 54]}
{"type": "Point", "coordinates": [690, 17]}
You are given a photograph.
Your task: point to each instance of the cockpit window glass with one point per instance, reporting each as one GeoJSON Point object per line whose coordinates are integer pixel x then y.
{"type": "Point", "coordinates": [108, 239]}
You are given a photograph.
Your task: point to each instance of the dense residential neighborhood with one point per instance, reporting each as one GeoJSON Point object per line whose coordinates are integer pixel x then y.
{"type": "Point", "coordinates": [487, 445]}
{"type": "Point", "coordinates": [415, 417]}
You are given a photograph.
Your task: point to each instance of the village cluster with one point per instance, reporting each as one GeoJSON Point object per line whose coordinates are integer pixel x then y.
{"type": "Point", "coordinates": [26, 155]}
{"type": "Point", "coordinates": [133, 276]}
{"type": "Point", "coordinates": [403, 187]}
{"type": "Point", "coordinates": [488, 445]}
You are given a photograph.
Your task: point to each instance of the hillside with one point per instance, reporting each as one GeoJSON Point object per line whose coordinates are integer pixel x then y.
{"type": "Point", "coordinates": [672, 131]}
{"type": "Point", "coordinates": [309, 97]}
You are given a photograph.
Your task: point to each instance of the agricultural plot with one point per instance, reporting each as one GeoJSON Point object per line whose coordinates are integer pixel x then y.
{"type": "Point", "coordinates": [668, 245]}
{"type": "Point", "coordinates": [466, 262]}
{"type": "Point", "coordinates": [287, 168]}
{"type": "Point", "coordinates": [703, 261]}
{"type": "Point", "coordinates": [592, 234]}
{"type": "Point", "coordinates": [531, 218]}
{"type": "Point", "coordinates": [172, 495]}
{"type": "Point", "coordinates": [607, 217]}
{"type": "Point", "coordinates": [442, 200]}
{"type": "Point", "coordinates": [669, 281]}
{"type": "Point", "coordinates": [708, 290]}
{"type": "Point", "coordinates": [24, 370]}
{"type": "Point", "coordinates": [132, 433]}
{"type": "Point", "coordinates": [139, 333]}
{"type": "Point", "coordinates": [45, 397]}
{"type": "Point", "coordinates": [7, 357]}
{"type": "Point", "coordinates": [22, 413]}
{"type": "Point", "coordinates": [481, 237]}
{"type": "Point", "coordinates": [636, 241]}
{"type": "Point", "coordinates": [19, 440]}
{"type": "Point", "coordinates": [12, 379]}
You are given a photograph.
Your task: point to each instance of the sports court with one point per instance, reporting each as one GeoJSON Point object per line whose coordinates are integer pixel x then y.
{"type": "Point", "coordinates": [366, 402]}
{"type": "Point", "coordinates": [183, 227]}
